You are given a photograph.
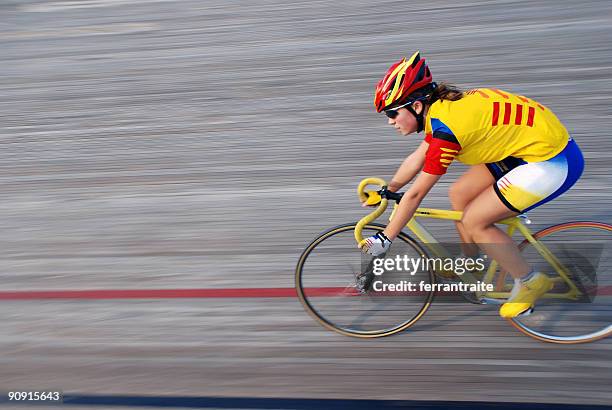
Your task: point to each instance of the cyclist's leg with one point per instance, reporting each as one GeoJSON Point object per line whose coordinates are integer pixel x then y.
{"type": "Point", "coordinates": [462, 192]}
{"type": "Point", "coordinates": [524, 187]}
{"type": "Point", "coordinates": [521, 187]}
{"type": "Point", "coordinates": [494, 172]}
{"type": "Point", "coordinates": [479, 220]}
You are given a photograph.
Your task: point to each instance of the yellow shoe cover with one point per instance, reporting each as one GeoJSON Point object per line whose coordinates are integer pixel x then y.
{"type": "Point", "coordinates": [529, 292]}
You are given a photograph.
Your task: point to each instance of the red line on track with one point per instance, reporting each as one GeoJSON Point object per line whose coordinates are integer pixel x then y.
{"type": "Point", "coordinates": [150, 293]}
{"type": "Point", "coordinates": [199, 293]}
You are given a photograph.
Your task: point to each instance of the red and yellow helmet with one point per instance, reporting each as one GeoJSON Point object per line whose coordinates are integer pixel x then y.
{"type": "Point", "coordinates": [400, 81]}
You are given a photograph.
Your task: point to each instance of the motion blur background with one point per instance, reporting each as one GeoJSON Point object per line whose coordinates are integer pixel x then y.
{"type": "Point", "coordinates": [160, 144]}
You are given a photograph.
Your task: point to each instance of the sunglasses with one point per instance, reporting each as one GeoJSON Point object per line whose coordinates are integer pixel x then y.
{"type": "Point", "coordinates": [392, 113]}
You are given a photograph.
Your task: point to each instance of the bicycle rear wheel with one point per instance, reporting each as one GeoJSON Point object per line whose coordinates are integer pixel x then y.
{"type": "Point", "coordinates": [326, 276]}
{"type": "Point", "coordinates": [585, 249]}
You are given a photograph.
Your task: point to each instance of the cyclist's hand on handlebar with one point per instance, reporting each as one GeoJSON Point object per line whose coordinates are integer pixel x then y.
{"type": "Point", "coordinates": [376, 245]}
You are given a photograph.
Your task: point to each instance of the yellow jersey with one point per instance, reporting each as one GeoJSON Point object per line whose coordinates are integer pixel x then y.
{"type": "Point", "coordinates": [488, 125]}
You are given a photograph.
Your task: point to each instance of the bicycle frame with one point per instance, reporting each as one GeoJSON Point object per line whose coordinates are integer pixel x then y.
{"type": "Point", "coordinates": [514, 224]}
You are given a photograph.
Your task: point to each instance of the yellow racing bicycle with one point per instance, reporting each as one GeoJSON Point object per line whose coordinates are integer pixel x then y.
{"type": "Point", "coordinates": [340, 287]}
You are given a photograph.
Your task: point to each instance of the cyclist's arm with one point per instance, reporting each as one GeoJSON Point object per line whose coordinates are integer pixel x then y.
{"type": "Point", "coordinates": [410, 202]}
{"type": "Point", "coordinates": [409, 168]}
{"type": "Point", "coordinates": [441, 149]}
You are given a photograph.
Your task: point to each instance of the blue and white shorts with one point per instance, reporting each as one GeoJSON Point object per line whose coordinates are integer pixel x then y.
{"type": "Point", "coordinates": [522, 186]}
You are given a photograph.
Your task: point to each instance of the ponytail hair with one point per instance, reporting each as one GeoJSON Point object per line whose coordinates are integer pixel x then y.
{"type": "Point", "coordinates": [444, 91]}
{"type": "Point", "coordinates": [433, 92]}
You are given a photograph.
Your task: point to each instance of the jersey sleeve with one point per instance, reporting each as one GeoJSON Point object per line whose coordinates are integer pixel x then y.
{"type": "Point", "coordinates": [443, 147]}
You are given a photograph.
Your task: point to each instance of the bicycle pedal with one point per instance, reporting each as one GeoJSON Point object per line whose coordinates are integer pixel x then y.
{"type": "Point", "coordinates": [472, 298]}
{"type": "Point", "coordinates": [527, 312]}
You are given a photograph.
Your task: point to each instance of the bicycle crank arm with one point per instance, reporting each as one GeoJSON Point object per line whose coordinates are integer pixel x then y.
{"type": "Point", "coordinates": [491, 301]}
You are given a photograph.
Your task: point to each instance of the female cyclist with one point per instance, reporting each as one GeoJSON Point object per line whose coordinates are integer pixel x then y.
{"type": "Point", "coordinates": [520, 157]}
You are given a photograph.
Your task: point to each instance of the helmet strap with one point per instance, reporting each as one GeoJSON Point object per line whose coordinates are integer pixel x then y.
{"type": "Point", "coordinates": [419, 117]}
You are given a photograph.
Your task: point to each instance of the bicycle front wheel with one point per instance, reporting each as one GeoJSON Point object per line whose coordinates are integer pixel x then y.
{"type": "Point", "coordinates": [585, 250]}
{"type": "Point", "coordinates": [327, 276]}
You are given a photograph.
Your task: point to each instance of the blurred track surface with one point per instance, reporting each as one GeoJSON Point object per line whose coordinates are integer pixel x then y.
{"type": "Point", "coordinates": [201, 144]}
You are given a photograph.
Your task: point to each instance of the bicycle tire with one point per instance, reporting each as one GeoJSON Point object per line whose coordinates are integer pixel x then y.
{"type": "Point", "coordinates": [329, 324]}
{"type": "Point", "coordinates": [522, 323]}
